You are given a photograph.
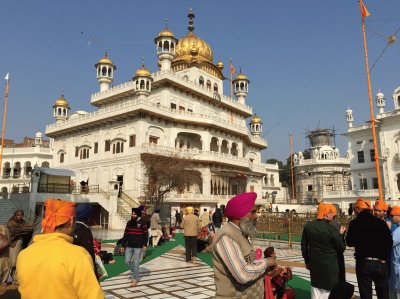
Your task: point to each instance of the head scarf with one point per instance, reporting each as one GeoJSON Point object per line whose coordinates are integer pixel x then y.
{"type": "Point", "coordinates": [83, 212]}
{"type": "Point", "coordinates": [332, 208]}
{"type": "Point", "coordinates": [269, 251]}
{"type": "Point", "coordinates": [395, 211]}
{"type": "Point", "coordinates": [321, 210]}
{"type": "Point", "coordinates": [362, 204]}
{"type": "Point", "coordinates": [381, 205]}
{"type": "Point", "coordinates": [57, 212]}
{"type": "Point", "coordinates": [189, 210]}
{"type": "Point", "coordinates": [240, 205]}
{"type": "Point", "coordinates": [137, 211]}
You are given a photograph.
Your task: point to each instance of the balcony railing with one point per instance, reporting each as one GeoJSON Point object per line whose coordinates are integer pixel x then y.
{"type": "Point", "coordinates": [67, 188]}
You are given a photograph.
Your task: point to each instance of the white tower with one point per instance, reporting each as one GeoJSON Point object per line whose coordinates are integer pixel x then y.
{"type": "Point", "coordinates": [38, 139]}
{"type": "Point", "coordinates": [380, 102]}
{"type": "Point", "coordinates": [105, 72]}
{"type": "Point", "coordinates": [143, 81]}
{"type": "Point", "coordinates": [256, 125]}
{"type": "Point", "coordinates": [60, 109]}
{"type": "Point", "coordinates": [166, 43]}
{"type": "Point", "coordinates": [349, 117]}
{"type": "Point", "coordinates": [241, 87]}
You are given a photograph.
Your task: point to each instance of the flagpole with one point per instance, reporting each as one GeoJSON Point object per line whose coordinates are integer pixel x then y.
{"type": "Point", "coordinates": [291, 163]}
{"type": "Point", "coordinates": [3, 129]}
{"type": "Point", "coordinates": [230, 83]}
{"type": "Point", "coordinates": [365, 13]}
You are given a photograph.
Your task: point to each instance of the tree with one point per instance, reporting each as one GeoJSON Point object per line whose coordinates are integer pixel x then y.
{"type": "Point", "coordinates": [165, 174]}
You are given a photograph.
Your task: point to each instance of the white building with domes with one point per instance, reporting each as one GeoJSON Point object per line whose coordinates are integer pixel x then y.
{"type": "Point", "coordinates": [361, 151]}
{"type": "Point", "coordinates": [179, 109]}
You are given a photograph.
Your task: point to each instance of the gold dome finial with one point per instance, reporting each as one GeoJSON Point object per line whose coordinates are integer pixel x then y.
{"type": "Point", "coordinates": [106, 59]}
{"type": "Point", "coordinates": [255, 119]}
{"type": "Point", "coordinates": [61, 101]}
{"type": "Point", "coordinates": [143, 71]}
{"type": "Point", "coordinates": [191, 22]}
{"type": "Point", "coordinates": [220, 64]}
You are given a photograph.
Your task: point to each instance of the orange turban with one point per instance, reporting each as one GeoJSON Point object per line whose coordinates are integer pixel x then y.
{"type": "Point", "coordinates": [362, 204]}
{"type": "Point", "coordinates": [331, 208]}
{"type": "Point", "coordinates": [381, 205]}
{"type": "Point", "coordinates": [395, 211]}
{"type": "Point", "coordinates": [321, 210]}
{"type": "Point", "coordinates": [57, 212]}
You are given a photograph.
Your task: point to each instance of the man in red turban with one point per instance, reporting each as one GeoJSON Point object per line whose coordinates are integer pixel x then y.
{"type": "Point", "coordinates": [238, 274]}
{"type": "Point", "coordinates": [52, 267]}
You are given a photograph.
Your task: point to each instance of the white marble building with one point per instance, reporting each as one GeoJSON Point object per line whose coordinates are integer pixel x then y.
{"type": "Point", "coordinates": [180, 109]}
{"type": "Point", "coordinates": [18, 161]}
{"type": "Point", "coordinates": [320, 171]}
{"type": "Point", "coordinates": [361, 151]}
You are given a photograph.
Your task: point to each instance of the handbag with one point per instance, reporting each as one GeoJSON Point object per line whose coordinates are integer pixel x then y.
{"type": "Point", "coordinates": [3, 243]}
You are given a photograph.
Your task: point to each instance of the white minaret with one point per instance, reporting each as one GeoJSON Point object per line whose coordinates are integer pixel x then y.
{"type": "Point", "coordinates": [105, 72]}
{"type": "Point", "coordinates": [380, 102]}
{"type": "Point", "coordinates": [60, 109]}
{"type": "Point", "coordinates": [241, 87]}
{"type": "Point", "coordinates": [349, 117]}
{"type": "Point", "coordinates": [143, 81]}
{"type": "Point", "coordinates": [256, 125]}
{"type": "Point", "coordinates": [38, 139]}
{"type": "Point", "coordinates": [166, 43]}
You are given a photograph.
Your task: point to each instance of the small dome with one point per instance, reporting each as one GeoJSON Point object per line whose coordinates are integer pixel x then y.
{"type": "Point", "coordinates": [241, 76]}
{"type": "Point", "coordinates": [166, 33]}
{"type": "Point", "coordinates": [379, 95]}
{"type": "Point", "coordinates": [143, 72]}
{"type": "Point", "coordinates": [255, 119]}
{"type": "Point", "coordinates": [220, 64]}
{"type": "Point", "coordinates": [105, 60]}
{"type": "Point", "coordinates": [61, 101]}
{"type": "Point", "coordinates": [349, 111]}
{"type": "Point", "coordinates": [39, 135]}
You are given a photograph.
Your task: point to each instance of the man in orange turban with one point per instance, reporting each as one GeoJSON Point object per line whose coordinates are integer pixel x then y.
{"type": "Point", "coordinates": [52, 267]}
{"type": "Point", "coordinates": [372, 241]}
{"type": "Point", "coordinates": [380, 209]}
{"type": "Point", "coordinates": [321, 246]}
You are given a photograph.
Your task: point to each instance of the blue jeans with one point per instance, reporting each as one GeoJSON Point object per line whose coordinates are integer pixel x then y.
{"type": "Point", "coordinates": [132, 259]}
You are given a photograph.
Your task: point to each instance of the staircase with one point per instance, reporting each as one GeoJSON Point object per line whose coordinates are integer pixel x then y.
{"type": "Point", "coordinates": [125, 205]}
{"type": "Point", "coordinates": [7, 208]}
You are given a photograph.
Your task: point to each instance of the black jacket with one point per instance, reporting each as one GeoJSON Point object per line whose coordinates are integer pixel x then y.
{"type": "Point", "coordinates": [136, 234]}
{"type": "Point", "coordinates": [370, 236]}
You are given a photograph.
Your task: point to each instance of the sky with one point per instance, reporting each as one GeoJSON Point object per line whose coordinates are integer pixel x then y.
{"type": "Point", "coordinates": [304, 59]}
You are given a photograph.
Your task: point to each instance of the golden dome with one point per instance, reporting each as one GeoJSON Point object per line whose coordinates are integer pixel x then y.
{"type": "Point", "coordinates": [255, 119]}
{"type": "Point", "coordinates": [143, 72]}
{"type": "Point", "coordinates": [241, 76]}
{"type": "Point", "coordinates": [166, 33]}
{"type": "Point", "coordinates": [61, 101]}
{"type": "Point", "coordinates": [192, 46]}
{"type": "Point", "coordinates": [106, 60]}
{"type": "Point", "coordinates": [220, 65]}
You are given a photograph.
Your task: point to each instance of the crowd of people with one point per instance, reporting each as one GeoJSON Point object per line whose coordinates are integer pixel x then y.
{"type": "Point", "coordinates": [374, 235]}
{"type": "Point", "coordinates": [241, 270]}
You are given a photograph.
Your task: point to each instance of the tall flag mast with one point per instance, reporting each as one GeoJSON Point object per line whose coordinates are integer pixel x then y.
{"type": "Point", "coordinates": [291, 164]}
{"type": "Point", "coordinates": [365, 13]}
{"type": "Point", "coordinates": [3, 129]}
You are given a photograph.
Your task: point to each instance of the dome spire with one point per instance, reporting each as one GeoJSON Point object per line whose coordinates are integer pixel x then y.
{"type": "Point", "coordinates": [191, 17]}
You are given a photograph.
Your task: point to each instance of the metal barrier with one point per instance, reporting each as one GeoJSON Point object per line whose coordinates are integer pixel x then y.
{"type": "Point", "coordinates": [288, 226]}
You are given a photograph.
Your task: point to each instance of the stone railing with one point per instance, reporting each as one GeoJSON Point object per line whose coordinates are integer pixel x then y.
{"type": "Point", "coordinates": [322, 161]}
{"type": "Point", "coordinates": [197, 154]}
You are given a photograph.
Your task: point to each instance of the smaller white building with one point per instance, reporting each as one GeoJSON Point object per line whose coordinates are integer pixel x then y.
{"type": "Point", "coordinates": [18, 161]}
{"type": "Point", "coordinates": [320, 171]}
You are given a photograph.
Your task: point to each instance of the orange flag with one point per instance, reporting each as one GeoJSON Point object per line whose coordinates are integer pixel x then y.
{"type": "Point", "coordinates": [364, 11]}
{"type": "Point", "coordinates": [232, 68]}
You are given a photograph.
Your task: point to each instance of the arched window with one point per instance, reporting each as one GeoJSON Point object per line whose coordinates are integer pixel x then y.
{"type": "Point", "coordinates": [118, 147]}
{"type": "Point", "coordinates": [166, 46]}
{"type": "Point", "coordinates": [84, 153]}
{"type": "Point", "coordinates": [148, 85]}
{"type": "Point", "coordinates": [398, 182]}
{"type": "Point", "coordinates": [208, 85]}
{"type": "Point", "coordinates": [62, 158]}
{"type": "Point", "coordinates": [45, 164]}
{"type": "Point", "coordinates": [272, 180]}
{"type": "Point", "coordinates": [241, 86]}
{"type": "Point", "coordinates": [28, 169]}
{"type": "Point", "coordinates": [59, 111]}
{"type": "Point", "coordinates": [118, 150]}
{"type": "Point", "coordinates": [104, 71]}
{"type": "Point", "coordinates": [142, 84]}
{"type": "Point", "coordinates": [17, 170]}
{"type": "Point", "coordinates": [109, 72]}
{"type": "Point", "coordinates": [64, 112]}
{"type": "Point", "coordinates": [215, 87]}
{"type": "Point", "coordinates": [201, 81]}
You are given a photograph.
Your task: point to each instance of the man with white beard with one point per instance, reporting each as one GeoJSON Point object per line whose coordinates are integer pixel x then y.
{"type": "Point", "coordinates": [238, 274]}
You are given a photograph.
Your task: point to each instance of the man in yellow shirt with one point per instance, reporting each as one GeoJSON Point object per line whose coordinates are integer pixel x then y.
{"type": "Point", "coordinates": [52, 267]}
